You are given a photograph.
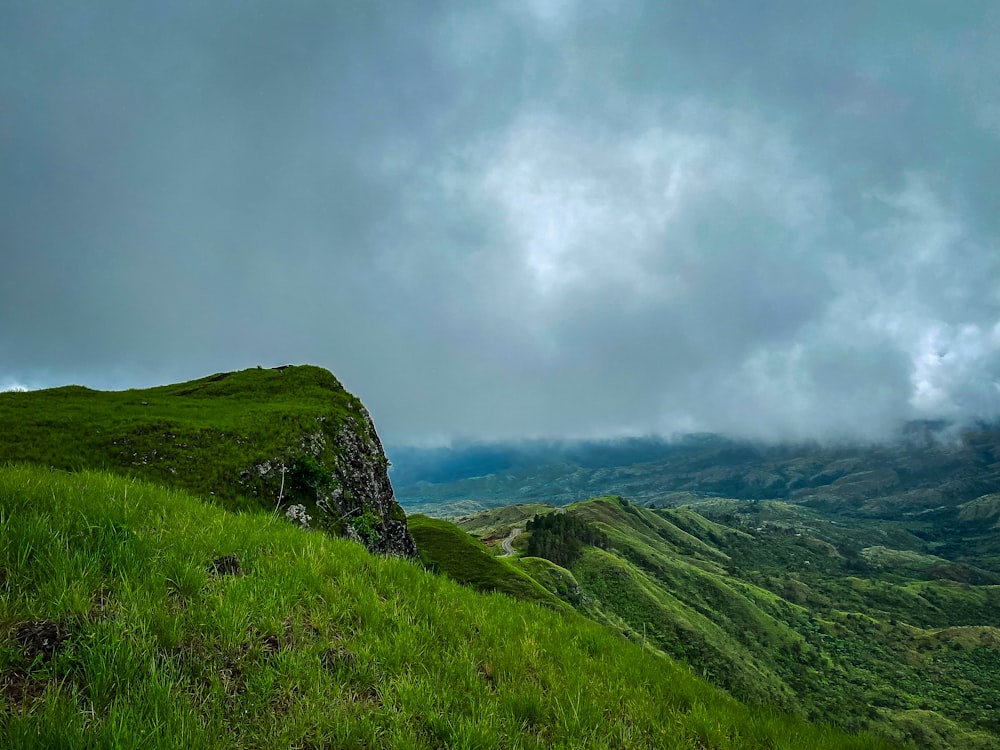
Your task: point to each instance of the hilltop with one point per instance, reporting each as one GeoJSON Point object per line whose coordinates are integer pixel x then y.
{"type": "Point", "coordinates": [287, 439]}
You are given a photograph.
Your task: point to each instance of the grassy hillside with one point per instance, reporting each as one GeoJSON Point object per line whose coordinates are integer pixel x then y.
{"type": "Point", "coordinates": [444, 548]}
{"type": "Point", "coordinates": [199, 435]}
{"type": "Point", "coordinates": [837, 621]}
{"type": "Point", "coordinates": [250, 439]}
{"type": "Point", "coordinates": [135, 616]}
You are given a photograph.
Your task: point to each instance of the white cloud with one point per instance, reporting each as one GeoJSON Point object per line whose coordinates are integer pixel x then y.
{"type": "Point", "coordinates": [697, 262]}
{"type": "Point", "coordinates": [635, 213]}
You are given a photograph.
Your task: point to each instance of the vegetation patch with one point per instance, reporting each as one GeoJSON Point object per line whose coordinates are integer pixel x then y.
{"type": "Point", "coordinates": [446, 549]}
{"type": "Point", "coordinates": [560, 537]}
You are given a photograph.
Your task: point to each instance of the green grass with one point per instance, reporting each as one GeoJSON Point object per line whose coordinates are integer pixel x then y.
{"type": "Point", "coordinates": [690, 618]}
{"type": "Point", "coordinates": [781, 606]}
{"type": "Point", "coordinates": [555, 578]}
{"type": "Point", "coordinates": [444, 548]}
{"type": "Point", "coordinates": [316, 644]}
{"type": "Point", "coordinates": [208, 436]}
{"type": "Point", "coordinates": [631, 522]}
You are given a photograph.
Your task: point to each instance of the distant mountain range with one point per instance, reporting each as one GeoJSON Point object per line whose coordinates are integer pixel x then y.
{"type": "Point", "coordinates": [930, 468]}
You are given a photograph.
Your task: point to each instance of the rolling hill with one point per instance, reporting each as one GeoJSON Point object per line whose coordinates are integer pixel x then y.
{"type": "Point", "coordinates": [834, 620]}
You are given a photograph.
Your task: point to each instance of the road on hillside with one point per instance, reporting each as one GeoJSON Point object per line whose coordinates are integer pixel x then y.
{"type": "Point", "coordinates": [508, 551]}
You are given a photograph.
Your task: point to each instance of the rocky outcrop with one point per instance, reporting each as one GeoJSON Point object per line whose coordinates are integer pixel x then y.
{"type": "Point", "coordinates": [336, 479]}
{"type": "Point", "coordinates": [362, 495]}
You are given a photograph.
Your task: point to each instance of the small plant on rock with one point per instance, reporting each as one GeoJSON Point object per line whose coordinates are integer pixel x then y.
{"type": "Point", "coordinates": [297, 514]}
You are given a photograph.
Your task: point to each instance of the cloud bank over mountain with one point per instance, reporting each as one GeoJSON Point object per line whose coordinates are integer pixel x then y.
{"type": "Point", "coordinates": [546, 218]}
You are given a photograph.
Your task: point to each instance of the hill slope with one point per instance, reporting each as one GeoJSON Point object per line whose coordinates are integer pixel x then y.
{"type": "Point", "coordinates": [446, 549]}
{"type": "Point", "coordinates": [289, 436]}
{"type": "Point", "coordinates": [134, 616]}
{"type": "Point", "coordinates": [834, 621]}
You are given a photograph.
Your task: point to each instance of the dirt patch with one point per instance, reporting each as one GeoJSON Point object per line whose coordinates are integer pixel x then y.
{"type": "Point", "coordinates": [20, 689]}
{"type": "Point", "coordinates": [40, 638]}
{"type": "Point", "coordinates": [37, 639]}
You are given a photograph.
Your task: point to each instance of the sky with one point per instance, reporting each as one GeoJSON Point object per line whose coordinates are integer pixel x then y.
{"type": "Point", "coordinates": [537, 218]}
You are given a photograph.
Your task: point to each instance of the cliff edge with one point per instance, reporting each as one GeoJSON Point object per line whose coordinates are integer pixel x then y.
{"type": "Point", "coordinates": [289, 439]}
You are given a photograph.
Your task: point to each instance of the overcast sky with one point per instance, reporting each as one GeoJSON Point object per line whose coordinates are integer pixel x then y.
{"type": "Point", "coordinates": [529, 218]}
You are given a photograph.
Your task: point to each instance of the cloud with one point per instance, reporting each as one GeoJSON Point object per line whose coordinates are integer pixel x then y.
{"type": "Point", "coordinates": [513, 219]}
{"type": "Point", "coordinates": [705, 270]}
{"type": "Point", "coordinates": [656, 217]}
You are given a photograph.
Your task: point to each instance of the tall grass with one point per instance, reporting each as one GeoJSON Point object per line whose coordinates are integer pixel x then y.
{"type": "Point", "coordinates": [202, 435]}
{"type": "Point", "coordinates": [315, 644]}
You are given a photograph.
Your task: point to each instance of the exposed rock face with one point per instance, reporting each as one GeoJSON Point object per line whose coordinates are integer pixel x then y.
{"type": "Point", "coordinates": [340, 477]}
{"type": "Point", "coordinates": [362, 490]}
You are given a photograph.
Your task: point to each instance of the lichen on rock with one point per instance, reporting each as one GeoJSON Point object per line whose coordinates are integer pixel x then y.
{"type": "Point", "coordinates": [364, 490]}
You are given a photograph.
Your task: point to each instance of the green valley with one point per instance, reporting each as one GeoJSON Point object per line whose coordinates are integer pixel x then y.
{"type": "Point", "coordinates": [834, 619]}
